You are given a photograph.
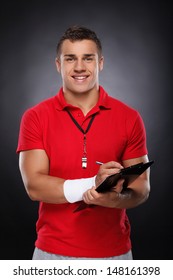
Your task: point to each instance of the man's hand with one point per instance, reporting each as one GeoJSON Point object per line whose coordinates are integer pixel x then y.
{"type": "Point", "coordinates": [107, 199]}
{"type": "Point", "coordinates": [107, 169]}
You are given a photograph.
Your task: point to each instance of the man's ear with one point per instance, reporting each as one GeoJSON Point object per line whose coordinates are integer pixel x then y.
{"type": "Point", "coordinates": [101, 62]}
{"type": "Point", "coordinates": [58, 64]}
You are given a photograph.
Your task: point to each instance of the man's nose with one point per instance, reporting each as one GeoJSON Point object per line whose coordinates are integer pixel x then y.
{"type": "Point", "coordinates": [79, 65]}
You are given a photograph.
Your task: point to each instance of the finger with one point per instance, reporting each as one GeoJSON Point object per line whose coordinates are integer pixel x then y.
{"type": "Point", "coordinates": [111, 171]}
{"type": "Point", "coordinates": [110, 168]}
{"type": "Point", "coordinates": [88, 196]}
{"type": "Point", "coordinates": [112, 164]}
{"type": "Point", "coordinates": [94, 193]}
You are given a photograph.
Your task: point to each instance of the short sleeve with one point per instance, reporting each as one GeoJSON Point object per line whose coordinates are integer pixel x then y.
{"type": "Point", "coordinates": [136, 138]}
{"type": "Point", "coordinates": [30, 132]}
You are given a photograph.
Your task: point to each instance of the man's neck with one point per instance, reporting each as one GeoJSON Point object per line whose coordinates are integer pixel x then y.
{"type": "Point", "coordinates": [85, 100]}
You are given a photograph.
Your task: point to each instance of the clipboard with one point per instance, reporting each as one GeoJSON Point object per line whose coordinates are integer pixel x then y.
{"type": "Point", "coordinates": [129, 174]}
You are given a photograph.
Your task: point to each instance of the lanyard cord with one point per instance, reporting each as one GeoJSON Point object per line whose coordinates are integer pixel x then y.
{"type": "Point", "coordinates": [78, 126]}
{"type": "Point", "coordinates": [84, 158]}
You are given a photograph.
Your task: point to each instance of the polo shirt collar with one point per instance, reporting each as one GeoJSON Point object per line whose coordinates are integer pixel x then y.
{"type": "Point", "coordinates": [103, 102]}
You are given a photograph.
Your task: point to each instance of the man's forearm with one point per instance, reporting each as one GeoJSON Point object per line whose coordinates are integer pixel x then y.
{"type": "Point", "coordinates": [45, 188]}
{"type": "Point", "coordinates": [51, 189]}
{"type": "Point", "coordinates": [130, 198]}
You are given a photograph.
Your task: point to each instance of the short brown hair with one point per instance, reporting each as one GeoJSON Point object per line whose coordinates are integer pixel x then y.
{"type": "Point", "coordinates": [77, 33]}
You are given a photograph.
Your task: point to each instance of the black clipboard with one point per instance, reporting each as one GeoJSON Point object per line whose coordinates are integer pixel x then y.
{"type": "Point", "coordinates": [129, 174]}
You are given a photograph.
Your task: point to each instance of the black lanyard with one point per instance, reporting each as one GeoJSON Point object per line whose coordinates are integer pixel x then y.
{"type": "Point", "coordinates": [84, 158]}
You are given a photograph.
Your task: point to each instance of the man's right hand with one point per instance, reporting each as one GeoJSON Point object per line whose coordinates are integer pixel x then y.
{"type": "Point", "coordinates": [107, 169]}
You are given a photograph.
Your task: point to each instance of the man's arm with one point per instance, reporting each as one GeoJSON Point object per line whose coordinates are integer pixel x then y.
{"type": "Point", "coordinates": [40, 186]}
{"type": "Point", "coordinates": [136, 193]}
{"type": "Point", "coordinates": [34, 168]}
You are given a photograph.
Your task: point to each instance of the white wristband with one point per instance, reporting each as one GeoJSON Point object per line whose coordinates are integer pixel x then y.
{"type": "Point", "coordinates": [74, 189]}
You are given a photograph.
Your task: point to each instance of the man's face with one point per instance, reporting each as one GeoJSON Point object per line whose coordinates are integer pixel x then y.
{"type": "Point", "coordinates": [79, 65]}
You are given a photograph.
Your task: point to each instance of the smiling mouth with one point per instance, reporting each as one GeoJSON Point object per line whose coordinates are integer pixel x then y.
{"type": "Point", "coordinates": [80, 78]}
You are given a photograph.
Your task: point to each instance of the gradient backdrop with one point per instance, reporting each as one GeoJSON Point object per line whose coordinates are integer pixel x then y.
{"type": "Point", "coordinates": [136, 37]}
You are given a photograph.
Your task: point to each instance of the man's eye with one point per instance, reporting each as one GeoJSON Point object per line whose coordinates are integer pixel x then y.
{"type": "Point", "coordinates": [88, 58]}
{"type": "Point", "coordinates": [70, 59]}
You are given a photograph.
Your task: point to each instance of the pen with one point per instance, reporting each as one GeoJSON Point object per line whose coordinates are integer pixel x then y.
{"type": "Point", "coordinates": [99, 162]}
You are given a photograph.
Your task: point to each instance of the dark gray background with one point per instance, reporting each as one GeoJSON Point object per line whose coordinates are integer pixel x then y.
{"type": "Point", "coordinates": [136, 37]}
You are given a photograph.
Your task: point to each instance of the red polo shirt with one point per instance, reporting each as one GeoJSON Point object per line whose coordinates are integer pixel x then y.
{"type": "Point", "coordinates": [117, 133]}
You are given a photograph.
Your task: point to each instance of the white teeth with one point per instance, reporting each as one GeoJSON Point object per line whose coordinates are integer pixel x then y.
{"type": "Point", "coordinates": [80, 78]}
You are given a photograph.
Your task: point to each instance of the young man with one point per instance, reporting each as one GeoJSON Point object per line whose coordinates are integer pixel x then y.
{"type": "Point", "coordinates": [60, 141]}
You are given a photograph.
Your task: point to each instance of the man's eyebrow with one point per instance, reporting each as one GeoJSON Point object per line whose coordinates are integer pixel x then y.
{"type": "Point", "coordinates": [89, 54]}
{"type": "Point", "coordinates": [71, 55]}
